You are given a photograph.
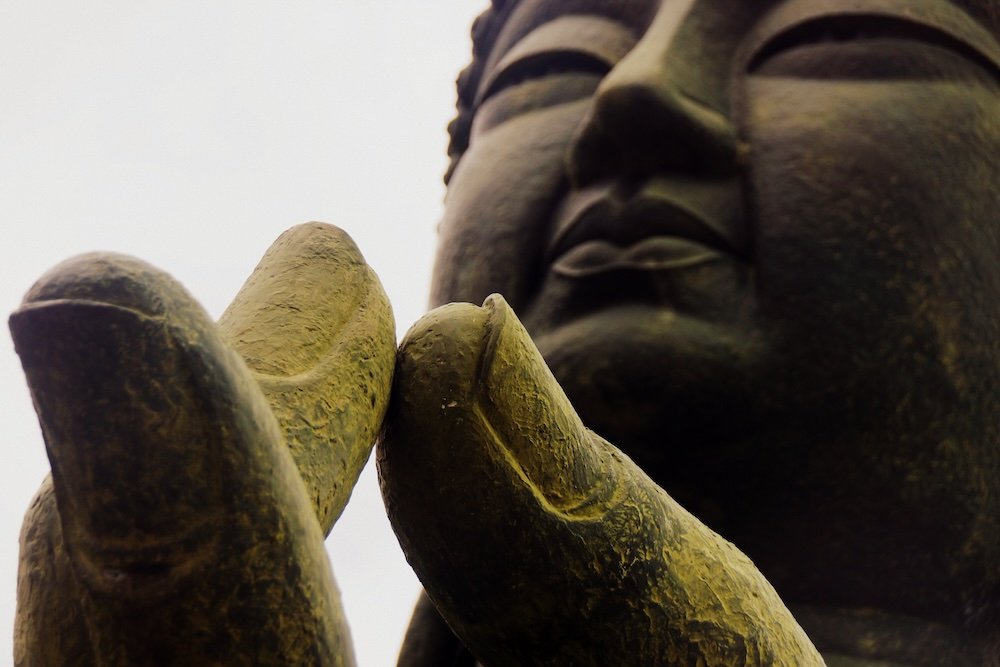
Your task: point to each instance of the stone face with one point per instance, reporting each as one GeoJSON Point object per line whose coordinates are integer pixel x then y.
{"type": "Point", "coordinates": [756, 245]}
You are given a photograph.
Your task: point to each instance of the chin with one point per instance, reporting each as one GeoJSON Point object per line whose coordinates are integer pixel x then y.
{"type": "Point", "coordinates": [665, 388]}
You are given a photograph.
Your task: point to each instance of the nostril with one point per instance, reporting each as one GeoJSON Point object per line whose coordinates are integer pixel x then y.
{"type": "Point", "coordinates": [637, 130]}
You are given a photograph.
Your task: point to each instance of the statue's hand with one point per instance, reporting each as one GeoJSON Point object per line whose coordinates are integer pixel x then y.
{"type": "Point", "coordinates": [316, 330]}
{"type": "Point", "coordinates": [538, 541]}
{"type": "Point", "coordinates": [177, 527]}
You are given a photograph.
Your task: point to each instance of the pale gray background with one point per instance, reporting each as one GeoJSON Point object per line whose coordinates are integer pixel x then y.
{"type": "Point", "coordinates": [191, 133]}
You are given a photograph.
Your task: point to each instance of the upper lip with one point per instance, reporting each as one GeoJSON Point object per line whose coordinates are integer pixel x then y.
{"type": "Point", "coordinates": [706, 212]}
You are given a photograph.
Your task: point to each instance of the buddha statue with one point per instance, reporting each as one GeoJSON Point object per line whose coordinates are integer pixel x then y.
{"type": "Point", "coordinates": [738, 404]}
{"type": "Point", "coordinates": [756, 244]}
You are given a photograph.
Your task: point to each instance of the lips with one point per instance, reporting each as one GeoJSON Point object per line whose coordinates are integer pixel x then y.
{"type": "Point", "coordinates": [666, 224]}
{"type": "Point", "coordinates": [659, 253]}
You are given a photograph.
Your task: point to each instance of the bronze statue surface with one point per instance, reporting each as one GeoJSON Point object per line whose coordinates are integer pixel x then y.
{"type": "Point", "coordinates": [756, 247]}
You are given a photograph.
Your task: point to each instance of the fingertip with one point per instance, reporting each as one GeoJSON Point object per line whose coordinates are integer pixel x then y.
{"type": "Point", "coordinates": [110, 278]}
{"type": "Point", "coordinates": [319, 239]}
{"type": "Point", "coordinates": [310, 284]}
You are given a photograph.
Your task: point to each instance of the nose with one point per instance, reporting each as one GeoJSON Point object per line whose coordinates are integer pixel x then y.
{"type": "Point", "coordinates": [665, 107]}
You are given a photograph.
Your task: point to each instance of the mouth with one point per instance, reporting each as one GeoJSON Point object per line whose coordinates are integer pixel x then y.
{"type": "Point", "coordinates": [665, 224]}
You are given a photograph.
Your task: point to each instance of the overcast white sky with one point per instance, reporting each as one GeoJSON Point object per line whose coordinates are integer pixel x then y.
{"type": "Point", "coordinates": [191, 134]}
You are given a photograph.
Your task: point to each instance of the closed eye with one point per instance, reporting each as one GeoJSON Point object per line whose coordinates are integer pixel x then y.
{"type": "Point", "coordinates": [542, 65]}
{"type": "Point", "coordinates": [831, 31]}
{"type": "Point", "coordinates": [572, 46]}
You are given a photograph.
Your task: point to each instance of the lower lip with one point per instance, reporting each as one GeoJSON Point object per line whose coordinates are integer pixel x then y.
{"type": "Point", "coordinates": [658, 253]}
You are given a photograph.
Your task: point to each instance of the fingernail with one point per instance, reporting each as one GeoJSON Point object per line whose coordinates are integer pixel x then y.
{"type": "Point", "coordinates": [567, 464]}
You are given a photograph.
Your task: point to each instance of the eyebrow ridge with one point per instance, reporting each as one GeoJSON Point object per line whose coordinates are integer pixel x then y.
{"type": "Point", "coordinates": [579, 34]}
{"type": "Point", "coordinates": [529, 15]}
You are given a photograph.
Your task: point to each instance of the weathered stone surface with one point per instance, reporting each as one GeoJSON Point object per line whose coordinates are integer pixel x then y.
{"type": "Point", "coordinates": [315, 327]}
{"type": "Point", "coordinates": [177, 529]}
{"type": "Point", "coordinates": [756, 244]}
{"type": "Point", "coordinates": [540, 542]}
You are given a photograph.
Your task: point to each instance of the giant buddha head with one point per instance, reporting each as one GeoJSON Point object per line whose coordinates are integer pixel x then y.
{"type": "Point", "coordinates": [757, 242]}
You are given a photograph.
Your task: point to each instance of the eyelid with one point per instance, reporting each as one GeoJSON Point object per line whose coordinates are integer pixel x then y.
{"type": "Point", "coordinates": [820, 29]}
{"type": "Point", "coordinates": [940, 16]}
{"type": "Point", "coordinates": [576, 62]}
{"type": "Point", "coordinates": [581, 40]}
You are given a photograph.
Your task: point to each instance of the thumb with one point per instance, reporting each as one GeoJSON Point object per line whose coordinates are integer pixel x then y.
{"type": "Point", "coordinates": [537, 540]}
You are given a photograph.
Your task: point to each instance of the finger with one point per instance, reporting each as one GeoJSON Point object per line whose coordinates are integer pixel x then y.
{"type": "Point", "coordinates": [181, 510]}
{"type": "Point", "coordinates": [315, 327]}
{"type": "Point", "coordinates": [538, 541]}
{"type": "Point", "coordinates": [49, 626]}
{"type": "Point", "coordinates": [430, 642]}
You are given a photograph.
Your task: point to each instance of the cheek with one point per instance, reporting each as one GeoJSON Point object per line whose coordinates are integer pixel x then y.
{"type": "Point", "coordinates": [859, 190]}
{"type": "Point", "coordinates": [875, 219]}
{"type": "Point", "coordinates": [499, 205]}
